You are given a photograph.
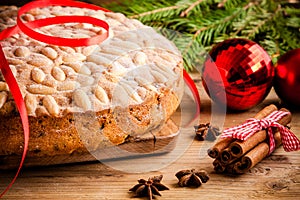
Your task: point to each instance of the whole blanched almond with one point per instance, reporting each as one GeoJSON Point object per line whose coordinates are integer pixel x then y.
{"type": "Point", "coordinates": [131, 36]}
{"type": "Point", "coordinates": [126, 45]}
{"type": "Point", "coordinates": [28, 17]}
{"type": "Point", "coordinates": [50, 81]}
{"type": "Point", "coordinates": [164, 69]}
{"type": "Point", "coordinates": [58, 74]}
{"type": "Point", "coordinates": [31, 103]}
{"type": "Point", "coordinates": [140, 58]}
{"type": "Point", "coordinates": [89, 50]}
{"type": "Point", "coordinates": [159, 77]}
{"type": "Point", "coordinates": [51, 105]}
{"type": "Point", "coordinates": [130, 91]}
{"type": "Point", "coordinates": [3, 86]}
{"type": "Point", "coordinates": [101, 94]}
{"type": "Point", "coordinates": [94, 68]}
{"type": "Point", "coordinates": [68, 86]}
{"type": "Point", "coordinates": [49, 52]}
{"type": "Point", "coordinates": [85, 80]}
{"type": "Point", "coordinates": [37, 75]}
{"type": "Point", "coordinates": [73, 57]}
{"type": "Point", "coordinates": [118, 69]}
{"type": "Point", "coordinates": [39, 60]}
{"type": "Point", "coordinates": [145, 83]}
{"type": "Point", "coordinates": [76, 66]}
{"type": "Point", "coordinates": [100, 60]}
{"type": "Point", "coordinates": [82, 100]}
{"type": "Point", "coordinates": [66, 49]}
{"type": "Point", "coordinates": [69, 71]}
{"type": "Point", "coordinates": [3, 98]}
{"type": "Point", "coordinates": [168, 57]}
{"type": "Point", "coordinates": [22, 52]}
{"type": "Point", "coordinates": [84, 70]}
{"type": "Point", "coordinates": [40, 89]}
{"type": "Point", "coordinates": [14, 61]}
{"type": "Point", "coordinates": [113, 50]}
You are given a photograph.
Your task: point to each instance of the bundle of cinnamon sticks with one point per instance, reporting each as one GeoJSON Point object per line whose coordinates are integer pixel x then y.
{"type": "Point", "coordinates": [237, 156]}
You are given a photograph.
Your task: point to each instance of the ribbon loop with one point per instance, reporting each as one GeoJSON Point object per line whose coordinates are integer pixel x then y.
{"type": "Point", "coordinates": [242, 132]}
{"type": "Point", "coordinates": [28, 28]}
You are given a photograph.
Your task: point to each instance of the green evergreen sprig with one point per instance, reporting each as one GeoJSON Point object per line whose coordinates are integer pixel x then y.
{"type": "Point", "coordinates": [196, 25]}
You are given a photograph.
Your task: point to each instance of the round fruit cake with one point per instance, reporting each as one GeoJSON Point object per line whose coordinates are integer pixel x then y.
{"type": "Point", "coordinates": [81, 99]}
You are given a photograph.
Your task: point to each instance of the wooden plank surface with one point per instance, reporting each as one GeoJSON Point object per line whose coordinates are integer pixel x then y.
{"type": "Point", "coordinates": [276, 177]}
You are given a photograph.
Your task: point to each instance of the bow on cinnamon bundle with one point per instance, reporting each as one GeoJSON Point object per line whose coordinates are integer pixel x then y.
{"type": "Point", "coordinates": [242, 147]}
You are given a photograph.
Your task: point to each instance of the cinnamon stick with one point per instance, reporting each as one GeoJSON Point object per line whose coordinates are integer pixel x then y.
{"type": "Point", "coordinates": [266, 111]}
{"type": "Point", "coordinates": [221, 144]}
{"type": "Point", "coordinates": [237, 148]}
{"type": "Point", "coordinates": [253, 157]}
{"type": "Point", "coordinates": [277, 138]}
{"type": "Point", "coordinates": [250, 159]}
{"type": "Point", "coordinates": [226, 156]}
{"type": "Point", "coordinates": [258, 153]}
{"type": "Point", "coordinates": [219, 167]}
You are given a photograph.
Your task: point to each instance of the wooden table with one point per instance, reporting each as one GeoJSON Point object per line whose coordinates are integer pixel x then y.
{"type": "Point", "coordinates": [276, 177]}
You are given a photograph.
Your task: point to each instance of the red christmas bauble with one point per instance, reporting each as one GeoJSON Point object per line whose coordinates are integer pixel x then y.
{"type": "Point", "coordinates": [287, 78]}
{"type": "Point", "coordinates": [238, 74]}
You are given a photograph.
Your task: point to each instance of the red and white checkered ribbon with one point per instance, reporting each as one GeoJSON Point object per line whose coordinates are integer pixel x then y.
{"type": "Point", "coordinates": [242, 132]}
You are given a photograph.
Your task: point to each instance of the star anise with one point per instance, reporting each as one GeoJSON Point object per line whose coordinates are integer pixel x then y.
{"type": "Point", "coordinates": [192, 178]}
{"type": "Point", "coordinates": [206, 131]}
{"type": "Point", "coordinates": [149, 188]}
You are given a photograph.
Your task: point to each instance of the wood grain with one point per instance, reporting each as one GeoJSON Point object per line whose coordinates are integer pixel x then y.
{"type": "Point", "coordinates": [276, 177]}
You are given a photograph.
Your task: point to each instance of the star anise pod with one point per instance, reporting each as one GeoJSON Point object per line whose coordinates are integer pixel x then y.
{"type": "Point", "coordinates": [149, 188]}
{"type": "Point", "coordinates": [192, 178]}
{"type": "Point", "coordinates": [206, 132]}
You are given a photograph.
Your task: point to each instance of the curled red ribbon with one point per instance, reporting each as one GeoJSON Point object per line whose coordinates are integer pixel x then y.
{"type": "Point", "coordinates": [242, 132]}
{"type": "Point", "coordinates": [28, 29]}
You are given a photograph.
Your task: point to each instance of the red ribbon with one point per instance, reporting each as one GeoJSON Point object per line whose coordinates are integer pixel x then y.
{"type": "Point", "coordinates": [242, 132]}
{"type": "Point", "coordinates": [191, 84]}
{"type": "Point", "coordinates": [15, 91]}
{"type": "Point", "coordinates": [28, 29]}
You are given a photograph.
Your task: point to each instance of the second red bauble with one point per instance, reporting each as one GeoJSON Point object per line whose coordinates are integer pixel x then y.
{"type": "Point", "coordinates": [238, 73]}
{"type": "Point", "coordinates": [287, 78]}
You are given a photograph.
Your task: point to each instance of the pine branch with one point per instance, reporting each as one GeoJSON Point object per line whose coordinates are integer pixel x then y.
{"type": "Point", "coordinates": [191, 7]}
{"type": "Point", "coordinates": [199, 24]}
{"type": "Point", "coordinates": [154, 11]}
{"type": "Point", "coordinates": [261, 23]}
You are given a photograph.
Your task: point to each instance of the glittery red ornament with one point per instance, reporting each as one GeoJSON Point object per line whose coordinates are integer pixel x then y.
{"type": "Point", "coordinates": [238, 73]}
{"type": "Point", "coordinates": [287, 78]}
